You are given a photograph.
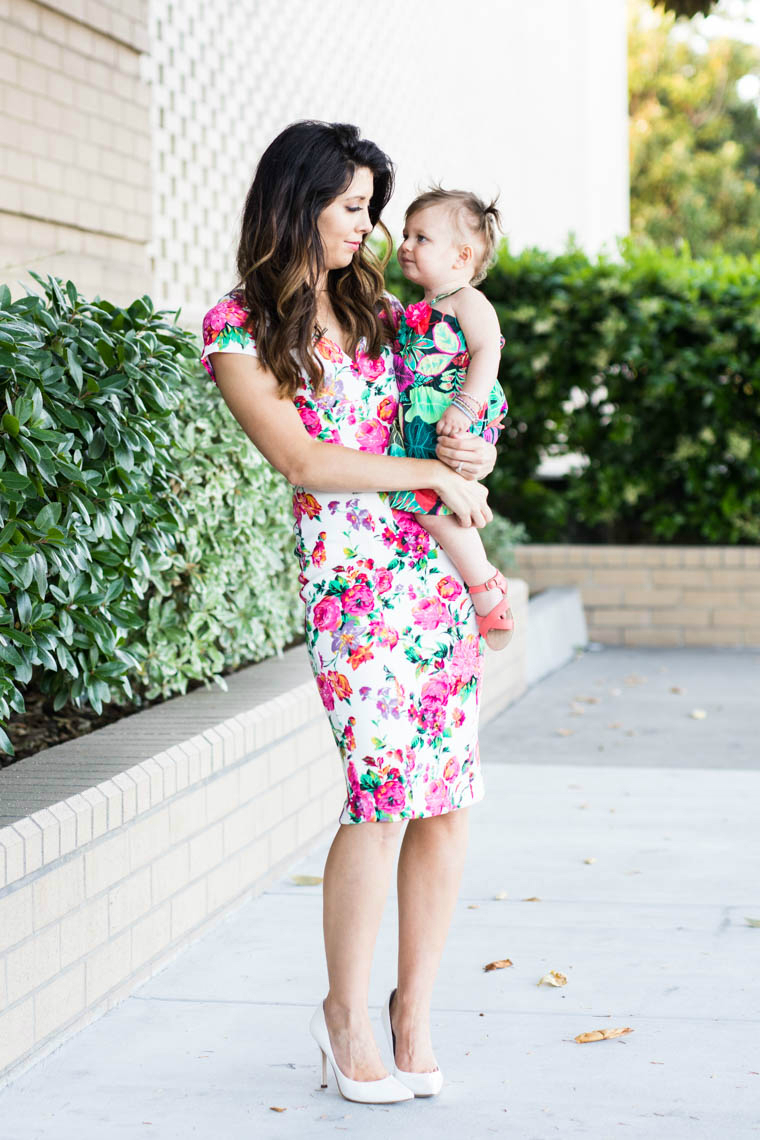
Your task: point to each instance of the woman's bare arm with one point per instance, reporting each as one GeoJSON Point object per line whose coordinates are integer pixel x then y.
{"type": "Point", "coordinates": [275, 427]}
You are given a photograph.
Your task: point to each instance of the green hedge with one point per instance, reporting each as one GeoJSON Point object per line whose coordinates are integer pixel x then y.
{"type": "Point", "coordinates": [648, 369]}
{"type": "Point", "coordinates": [144, 543]}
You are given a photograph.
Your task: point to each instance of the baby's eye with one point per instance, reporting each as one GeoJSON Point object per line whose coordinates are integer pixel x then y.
{"type": "Point", "coordinates": [421, 237]}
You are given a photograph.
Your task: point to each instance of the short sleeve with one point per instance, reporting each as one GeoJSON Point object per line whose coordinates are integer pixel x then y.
{"type": "Point", "coordinates": [394, 307]}
{"type": "Point", "coordinates": [224, 331]}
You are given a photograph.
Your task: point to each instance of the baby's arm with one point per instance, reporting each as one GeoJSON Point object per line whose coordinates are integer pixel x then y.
{"type": "Point", "coordinates": [480, 325]}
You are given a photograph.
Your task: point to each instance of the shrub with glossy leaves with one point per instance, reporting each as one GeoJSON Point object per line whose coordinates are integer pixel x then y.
{"type": "Point", "coordinates": [144, 544]}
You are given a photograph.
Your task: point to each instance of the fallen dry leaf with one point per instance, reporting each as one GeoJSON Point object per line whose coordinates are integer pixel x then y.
{"type": "Point", "coordinates": [698, 714]}
{"type": "Point", "coordinates": [601, 1035]}
{"type": "Point", "coordinates": [752, 921]}
{"type": "Point", "coordinates": [565, 731]}
{"type": "Point", "coordinates": [634, 679]}
{"type": "Point", "coordinates": [588, 700]}
{"type": "Point", "coordinates": [276, 1108]}
{"type": "Point", "coordinates": [533, 898]}
{"type": "Point", "coordinates": [306, 880]}
{"type": "Point", "coordinates": [501, 895]}
{"type": "Point", "coordinates": [591, 859]}
{"type": "Point", "coordinates": [473, 906]}
{"type": "Point", "coordinates": [500, 964]}
{"type": "Point", "coordinates": [615, 724]}
{"type": "Point", "coordinates": [583, 805]}
{"type": "Point", "coordinates": [678, 690]}
{"type": "Point", "coordinates": [553, 978]}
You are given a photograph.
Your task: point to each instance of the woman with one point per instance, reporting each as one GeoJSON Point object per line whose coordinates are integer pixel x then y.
{"type": "Point", "coordinates": [302, 354]}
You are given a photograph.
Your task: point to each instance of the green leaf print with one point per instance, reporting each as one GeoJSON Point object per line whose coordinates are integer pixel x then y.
{"type": "Point", "coordinates": [411, 654]}
{"type": "Point", "coordinates": [429, 405]}
{"type": "Point", "coordinates": [369, 781]}
{"type": "Point", "coordinates": [434, 364]}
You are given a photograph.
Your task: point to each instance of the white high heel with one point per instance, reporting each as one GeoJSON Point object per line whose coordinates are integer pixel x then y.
{"type": "Point", "coordinates": [382, 1091]}
{"type": "Point", "coordinates": [421, 1084]}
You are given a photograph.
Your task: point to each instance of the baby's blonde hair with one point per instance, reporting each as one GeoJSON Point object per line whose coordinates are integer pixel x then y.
{"type": "Point", "coordinates": [470, 213]}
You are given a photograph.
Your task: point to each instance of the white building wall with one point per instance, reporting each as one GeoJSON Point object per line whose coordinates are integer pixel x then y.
{"type": "Point", "coordinates": [525, 98]}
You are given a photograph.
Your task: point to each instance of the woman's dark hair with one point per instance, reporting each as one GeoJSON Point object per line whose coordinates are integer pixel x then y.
{"type": "Point", "coordinates": [280, 255]}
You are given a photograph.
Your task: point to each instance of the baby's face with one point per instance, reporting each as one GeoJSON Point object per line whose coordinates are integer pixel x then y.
{"type": "Point", "coordinates": [431, 247]}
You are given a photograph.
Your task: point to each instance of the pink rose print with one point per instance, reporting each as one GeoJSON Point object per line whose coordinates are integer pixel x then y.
{"type": "Point", "coordinates": [373, 435]}
{"type": "Point", "coordinates": [363, 805]}
{"type": "Point", "coordinates": [328, 613]}
{"type": "Point", "coordinates": [227, 312]}
{"type": "Point", "coordinates": [436, 796]}
{"type": "Point", "coordinates": [368, 368]}
{"type": "Point", "coordinates": [387, 409]}
{"type": "Point", "coordinates": [448, 587]}
{"type": "Point", "coordinates": [358, 599]}
{"type": "Point", "coordinates": [383, 581]}
{"type": "Point", "coordinates": [437, 690]}
{"type": "Point", "coordinates": [310, 420]}
{"type": "Point", "coordinates": [458, 717]}
{"type": "Point", "coordinates": [383, 634]}
{"type": "Point", "coordinates": [429, 613]}
{"type": "Point", "coordinates": [465, 659]}
{"type": "Point", "coordinates": [326, 692]}
{"type": "Point", "coordinates": [418, 317]}
{"type": "Point", "coordinates": [390, 796]}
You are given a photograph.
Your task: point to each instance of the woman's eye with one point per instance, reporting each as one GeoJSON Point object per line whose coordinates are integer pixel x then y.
{"type": "Point", "coordinates": [353, 209]}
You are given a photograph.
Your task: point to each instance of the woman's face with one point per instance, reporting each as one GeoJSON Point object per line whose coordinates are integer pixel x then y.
{"type": "Point", "coordinates": [345, 222]}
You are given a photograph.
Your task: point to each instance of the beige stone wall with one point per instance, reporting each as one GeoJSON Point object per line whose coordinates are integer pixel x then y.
{"type": "Point", "coordinates": [656, 595]}
{"type": "Point", "coordinates": [75, 148]}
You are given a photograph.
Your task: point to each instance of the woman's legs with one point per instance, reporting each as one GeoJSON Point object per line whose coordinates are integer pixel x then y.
{"type": "Point", "coordinates": [429, 875]}
{"type": "Point", "coordinates": [355, 887]}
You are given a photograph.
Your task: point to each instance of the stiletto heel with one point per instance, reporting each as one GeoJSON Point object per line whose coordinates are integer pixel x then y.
{"type": "Point", "coordinates": [421, 1084]}
{"type": "Point", "coordinates": [383, 1091]}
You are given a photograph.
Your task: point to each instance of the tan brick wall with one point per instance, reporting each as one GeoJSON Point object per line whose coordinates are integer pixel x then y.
{"type": "Point", "coordinates": [656, 595]}
{"type": "Point", "coordinates": [75, 147]}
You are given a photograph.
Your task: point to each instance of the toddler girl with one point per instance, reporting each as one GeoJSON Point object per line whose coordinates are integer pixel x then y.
{"type": "Point", "coordinates": [449, 347]}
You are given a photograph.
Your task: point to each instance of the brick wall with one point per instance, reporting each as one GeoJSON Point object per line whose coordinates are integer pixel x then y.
{"type": "Point", "coordinates": [656, 595]}
{"type": "Point", "coordinates": [75, 148]}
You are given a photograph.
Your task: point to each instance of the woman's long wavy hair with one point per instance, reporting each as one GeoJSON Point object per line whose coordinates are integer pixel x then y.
{"type": "Point", "coordinates": [280, 257]}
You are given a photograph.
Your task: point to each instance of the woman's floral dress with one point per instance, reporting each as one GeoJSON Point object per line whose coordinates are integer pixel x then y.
{"type": "Point", "coordinates": [390, 629]}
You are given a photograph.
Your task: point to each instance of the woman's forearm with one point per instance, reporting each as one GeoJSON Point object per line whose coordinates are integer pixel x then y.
{"type": "Point", "coordinates": [332, 467]}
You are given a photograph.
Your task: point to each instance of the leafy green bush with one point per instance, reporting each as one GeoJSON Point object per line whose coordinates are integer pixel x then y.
{"type": "Point", "coordinates": [143, 542]}
{"type": "Point", "coordinates": [647, 370]}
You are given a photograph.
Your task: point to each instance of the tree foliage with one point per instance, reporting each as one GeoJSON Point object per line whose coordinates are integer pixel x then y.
{"type": "Point", "coordinates": [695, 142]}
{"type": "Point", "coordinates": [690, 8]}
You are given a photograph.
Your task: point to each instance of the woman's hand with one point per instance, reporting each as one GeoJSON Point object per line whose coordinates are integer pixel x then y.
{"type": "Point", "coordinates": [466, 499]}
{"type": "Point", "coordinates": [477, 458]}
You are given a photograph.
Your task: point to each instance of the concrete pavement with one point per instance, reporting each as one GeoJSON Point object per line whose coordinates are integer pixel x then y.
{"type": "Point", "coordinates": [632, 823]}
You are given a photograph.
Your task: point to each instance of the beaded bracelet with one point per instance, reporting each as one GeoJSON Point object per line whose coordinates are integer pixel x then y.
{"type": "Point", "coordinates": [466, 396]}
{"type": "Point", "coordinates": [462, 407]}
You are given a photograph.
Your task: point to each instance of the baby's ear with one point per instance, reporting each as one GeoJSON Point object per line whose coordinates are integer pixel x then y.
{"type": "Point", "coordinates": [465, 258]}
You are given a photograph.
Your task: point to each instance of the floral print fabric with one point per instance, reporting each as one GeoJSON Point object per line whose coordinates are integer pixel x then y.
{"type": "Point", "coordinates": [431, 365]}
{"type": "Point", "coordinates": [390, 628]}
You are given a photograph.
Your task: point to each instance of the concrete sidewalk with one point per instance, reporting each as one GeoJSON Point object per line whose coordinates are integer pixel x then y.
{"type": "Point", "coordinates": [635, 827]}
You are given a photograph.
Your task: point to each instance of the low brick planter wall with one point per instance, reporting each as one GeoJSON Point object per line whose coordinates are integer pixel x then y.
{"type": "Point", "coordinates": [656, 595]}
{"type": "Point", "coordinates": [120, 848]}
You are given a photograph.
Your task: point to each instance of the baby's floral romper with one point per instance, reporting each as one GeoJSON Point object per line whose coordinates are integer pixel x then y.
{"type": "Point", "coordinates": [390, 629]}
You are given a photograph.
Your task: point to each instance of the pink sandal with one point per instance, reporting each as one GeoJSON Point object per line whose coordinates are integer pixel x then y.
{"type": "Point", "coordinates": [499, 619]}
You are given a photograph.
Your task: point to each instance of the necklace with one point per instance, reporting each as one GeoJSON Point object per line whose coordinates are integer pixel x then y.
{"type": "Point", "coordinates": [443, 296]}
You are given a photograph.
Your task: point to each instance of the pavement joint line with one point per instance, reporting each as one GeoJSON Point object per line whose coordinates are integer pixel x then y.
{"type": "Point", "coordinates": [449, 1010]}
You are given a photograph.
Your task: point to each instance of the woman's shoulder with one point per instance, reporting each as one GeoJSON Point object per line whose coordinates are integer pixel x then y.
{"type": "Point", "coordinates": [225, 329]}
{"type": "Point", "coordinates": [390, 308]}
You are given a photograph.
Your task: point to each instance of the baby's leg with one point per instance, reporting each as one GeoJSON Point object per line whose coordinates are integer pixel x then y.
{"type": "Point", "coordinates": [465, 549]}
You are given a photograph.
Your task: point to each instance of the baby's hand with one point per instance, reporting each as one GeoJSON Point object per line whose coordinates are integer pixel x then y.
{"type": "Point", "coordinates": [453, 422]}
